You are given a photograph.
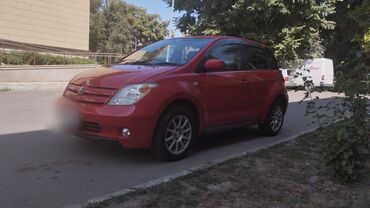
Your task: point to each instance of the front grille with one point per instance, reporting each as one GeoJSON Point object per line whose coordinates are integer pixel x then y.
{"type": "Point", "coordinates": [90, 126]}
{"type": "Point", "coordinates": [96, 95]}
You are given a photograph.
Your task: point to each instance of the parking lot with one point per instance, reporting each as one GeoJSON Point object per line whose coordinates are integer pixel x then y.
{"type": "Point", "coordinates": [42, 167]}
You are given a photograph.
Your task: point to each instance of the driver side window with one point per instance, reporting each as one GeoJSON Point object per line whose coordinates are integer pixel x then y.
{"type": "Point", "coordinates": [229, 54]}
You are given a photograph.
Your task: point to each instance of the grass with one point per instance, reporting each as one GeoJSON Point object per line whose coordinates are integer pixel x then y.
{"type": "Point", "coordinates": [286, 175]}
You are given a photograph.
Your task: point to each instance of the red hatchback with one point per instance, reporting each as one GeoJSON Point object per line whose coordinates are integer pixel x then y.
{"type": "Point", "coordinates": [166, 94]}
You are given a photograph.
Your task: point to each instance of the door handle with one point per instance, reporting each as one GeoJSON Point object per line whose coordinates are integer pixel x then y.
{"type": "Point", "coordinates": [245, 82]}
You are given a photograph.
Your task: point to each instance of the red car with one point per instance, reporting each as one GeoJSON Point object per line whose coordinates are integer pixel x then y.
{"type": "Point", "coordinates": [166, 94]}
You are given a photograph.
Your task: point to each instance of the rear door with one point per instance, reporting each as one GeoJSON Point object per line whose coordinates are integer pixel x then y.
{"type": "Point", "coordinates": [258, 80]}
{"type": "Point", "coordinates": [222, 90]}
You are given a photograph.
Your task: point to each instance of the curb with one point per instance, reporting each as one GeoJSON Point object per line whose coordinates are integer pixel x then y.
{"type": "Point", "coordinates": [171, 177]}
{"type": "Point", "coordinates": [22, 86]}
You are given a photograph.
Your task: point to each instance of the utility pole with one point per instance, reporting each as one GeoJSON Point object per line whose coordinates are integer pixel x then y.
{"type": "Point", "coordinates": [136, 42]}
{"type": "Point", "coordinates": [172, 33]}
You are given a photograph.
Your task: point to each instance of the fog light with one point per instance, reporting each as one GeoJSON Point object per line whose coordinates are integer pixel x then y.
{"type": "Point", "coordinates": [126, 132]}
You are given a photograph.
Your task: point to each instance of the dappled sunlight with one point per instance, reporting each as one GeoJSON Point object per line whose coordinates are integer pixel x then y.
{"type": "Point", "coordinates": [55, 160]}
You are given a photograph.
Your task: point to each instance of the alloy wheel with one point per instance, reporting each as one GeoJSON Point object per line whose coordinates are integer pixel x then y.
{"type": "Point", "coordinates": [276, 118]}
{"type": "Point", "coordinates": [178, 134]}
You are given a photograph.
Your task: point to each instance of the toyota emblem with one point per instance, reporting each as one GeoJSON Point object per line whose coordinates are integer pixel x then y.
{"type": "Point", "coordinates": [81, 90]}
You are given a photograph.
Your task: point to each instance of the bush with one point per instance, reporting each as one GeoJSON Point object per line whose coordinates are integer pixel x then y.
{"type": "Point", "coordinates": [342, 153]}
{"type": "Point", "coordinates": [345, 144]}
{"type": "Point", "coordinates": [29, 58]}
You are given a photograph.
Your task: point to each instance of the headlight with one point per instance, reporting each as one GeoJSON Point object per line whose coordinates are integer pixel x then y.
{"type": "Point", "coordinates": [130, 94]}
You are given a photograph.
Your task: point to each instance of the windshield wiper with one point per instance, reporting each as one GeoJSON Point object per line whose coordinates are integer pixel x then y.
{"type": "Point", "coordinates": [167, 64]}
{"type": "Point", "coordinates": [148, 62]}
{"type": "Point", "coordinates": [137, 63]}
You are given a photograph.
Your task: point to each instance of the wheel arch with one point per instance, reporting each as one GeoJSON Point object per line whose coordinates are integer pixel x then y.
{"type": "Point", "coordinates": [281, 96]}
{"type": "Point", "coordinates": [187, 102]}
{"type": "Point", "coordinates": [283, 99]}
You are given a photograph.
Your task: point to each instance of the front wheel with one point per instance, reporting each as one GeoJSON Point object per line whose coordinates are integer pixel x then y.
{"type": "Point", "coordinates": [174, 134]}
{"type": "Point", "coordinates": [274, 121]}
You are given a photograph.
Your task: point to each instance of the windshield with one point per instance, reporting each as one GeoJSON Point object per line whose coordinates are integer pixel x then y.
{"type": "Point", "coordinates": [175, 52]}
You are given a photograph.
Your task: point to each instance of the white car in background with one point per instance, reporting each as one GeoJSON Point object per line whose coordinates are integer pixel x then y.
{"type": "Point", "coordinates": [290, 80]}
{"type": "Point", "coordinates": [319, 72]}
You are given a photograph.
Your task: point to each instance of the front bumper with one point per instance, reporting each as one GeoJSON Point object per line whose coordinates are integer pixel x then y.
{"type": "Point", "coordinates": [323, 84]}
{"type": "Point", "coordinates": [107, 122]}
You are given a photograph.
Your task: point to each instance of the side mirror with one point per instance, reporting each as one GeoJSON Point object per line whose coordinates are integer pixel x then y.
{"type": "Point", "coordinates": [214, 65]}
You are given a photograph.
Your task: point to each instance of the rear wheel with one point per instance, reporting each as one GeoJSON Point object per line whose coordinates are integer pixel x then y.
{"type": "Point", "coordinates": [174, 134]}
{"type": "Point", "coordinates": [274, 120]}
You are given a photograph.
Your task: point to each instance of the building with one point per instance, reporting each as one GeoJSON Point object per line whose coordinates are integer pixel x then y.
{"type": "Point", "coordinates": [49, 25]}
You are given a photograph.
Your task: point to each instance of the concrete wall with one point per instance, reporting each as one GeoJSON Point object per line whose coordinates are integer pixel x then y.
{"type": "Point", "coordinates": [40, 79]}
{"type": "Point", "coordinates": [40, 75]}
{"type": "Point", "coordinates": [53, 23]}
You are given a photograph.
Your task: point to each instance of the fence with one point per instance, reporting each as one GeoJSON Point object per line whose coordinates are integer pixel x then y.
{"type": "Point", "coordinates": [17, 57]}
{"type": "Point", "coordinates": [14, 53]}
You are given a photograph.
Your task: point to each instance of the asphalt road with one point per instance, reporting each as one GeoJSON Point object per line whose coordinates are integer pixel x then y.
{"type": "Point", "coordinates": [40, 167]}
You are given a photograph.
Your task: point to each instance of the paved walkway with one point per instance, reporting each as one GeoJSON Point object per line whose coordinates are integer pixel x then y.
{"type": "Point", "coordinates": [42, 168]}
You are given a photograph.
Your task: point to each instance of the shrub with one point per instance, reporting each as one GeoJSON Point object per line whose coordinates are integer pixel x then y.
{"type": "Point", "coordinates": [346, 144]}
{"type": "Point", "coordinates": [342, 150]}
{"type": "Point", "coordinates": [30, 58]}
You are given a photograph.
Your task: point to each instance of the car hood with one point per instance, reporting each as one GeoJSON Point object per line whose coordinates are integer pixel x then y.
{"type": "Point", "coordinates": [117, 76]}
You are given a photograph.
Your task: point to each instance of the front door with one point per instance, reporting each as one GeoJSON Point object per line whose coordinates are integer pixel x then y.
{"type": "Point", "coordinates": [222, 89]}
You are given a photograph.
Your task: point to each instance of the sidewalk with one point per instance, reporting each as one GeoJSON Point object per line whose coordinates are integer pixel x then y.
{"type": "Point", "coordinates": [285, 175]}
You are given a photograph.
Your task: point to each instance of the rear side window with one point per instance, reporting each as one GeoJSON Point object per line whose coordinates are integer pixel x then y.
{"type": "Point", "coordinates": [230, 54]}
{"type": "Point", "coordinates": [271, 61]}
{"type": "Point", "coordinates": [254, 58]}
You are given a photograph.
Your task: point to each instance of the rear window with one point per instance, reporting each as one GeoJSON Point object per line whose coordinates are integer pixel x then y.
{"type": "Point", "coordinates": [254, 58]}
{"type": "Point", "coordinates": [271, 61]}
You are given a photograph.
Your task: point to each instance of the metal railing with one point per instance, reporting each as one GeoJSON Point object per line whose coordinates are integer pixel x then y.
{"type": "Point", "coordinates": [41, 67]}
{"type": "Point", "coordinates": [20, 57]}
{"type": "Point", "coordinates": [34, 53]}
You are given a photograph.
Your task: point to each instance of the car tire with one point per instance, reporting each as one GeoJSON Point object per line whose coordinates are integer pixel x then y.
{"type": "Point", "coordinates": [274, 120]}
{"type": "Point", "coordinates": [175, 134]}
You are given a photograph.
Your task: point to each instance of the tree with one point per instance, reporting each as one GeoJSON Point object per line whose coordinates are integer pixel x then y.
{"type": "Point", "coordinates": [345, 148]}
{"type": "Point", "coordinates": [118, 27]}
{"type": "Point", "coordinates": [352, 23]}
{"type": "Point", "coordinates": [95, 5]}
{"type": "Point", "coordinates": [291, 27]}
